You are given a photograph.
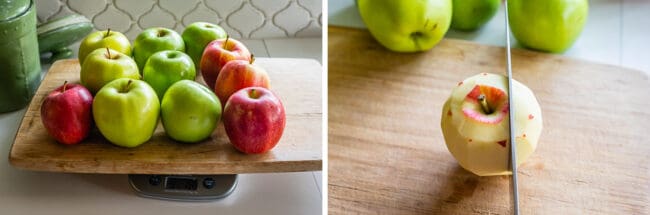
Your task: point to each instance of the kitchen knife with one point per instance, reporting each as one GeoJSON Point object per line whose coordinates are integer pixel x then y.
{"type": "Point", "coordinates": [511, 118]}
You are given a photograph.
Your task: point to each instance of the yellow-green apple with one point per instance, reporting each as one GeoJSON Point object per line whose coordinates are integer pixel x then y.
{"type": "Point", "coordinates": [153, 40]}
{"type": "Point", "coordinates": [164, 68]}
{"type": "Point", "coordinates": [189, 111]}
{"type": "Point", "coordinates": [104, 39]}
{"type": "Point", "coordinates": [105, 65]}
{"type": "Point", "coordinates": [547, 25]}
{"type": "Point", "coordinates": [470, 15]}
{"type": "Point", "coordinates": [197, 36]}
{"type": "Point", "coordinates": [237, 75]}
{"type": "Point", "coordinates": [254, 120]}
{"type": "Point", "coordinates": [406, 26]}
{"type": "Point", "coordinates": [475, 123]}
{"type": "Point", "coordinates": [66, 113]}
{"type": "Point", "coordinates": [126, 112]}
{"type": "Point", "coordinates": [217, 54]}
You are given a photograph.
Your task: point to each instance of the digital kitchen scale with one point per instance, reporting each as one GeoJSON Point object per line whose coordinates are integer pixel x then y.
{"type": "Point", "coordinates": [184, 187]}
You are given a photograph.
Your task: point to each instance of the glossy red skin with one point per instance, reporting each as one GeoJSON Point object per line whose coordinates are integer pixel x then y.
{"type": "Point", "coordinates": [254, 126]}
{"type": "Point", "coordinates": [67, 115]}
{"type": "Point", "coordinates": [237, 75]}
{"type": "Point", "coordinates": [216, 55]}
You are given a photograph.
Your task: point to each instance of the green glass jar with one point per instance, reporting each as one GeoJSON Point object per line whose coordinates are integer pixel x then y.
{"type": "Point", "coordinates": [20, 67]}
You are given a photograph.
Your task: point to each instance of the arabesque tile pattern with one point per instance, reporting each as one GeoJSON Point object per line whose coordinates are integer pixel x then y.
{"type": "Point", "coordinates": [249, 19]}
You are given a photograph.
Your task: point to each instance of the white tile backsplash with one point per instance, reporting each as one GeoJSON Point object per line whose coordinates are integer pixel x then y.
{"type": "Point", "coordinates": [87, 8]}
{"type": "Point", "coordinates": [256, 47]}
{"type": "Point", "coordinates": [113, 19]}
{"type": "Point", "coordinates": [293, 18]}
{"type": "Point", "coordinates": [157, 17]}
{"type": "Point", "coordinates": [248, 19]}
{"type": "Point", "coordinates": [132, 8]}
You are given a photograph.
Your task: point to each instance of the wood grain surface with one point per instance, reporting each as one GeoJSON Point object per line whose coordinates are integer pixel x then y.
{"type": "Point", "coordinates": [296, 81]}
{"type": "Point", "coordinates": [387, 154]}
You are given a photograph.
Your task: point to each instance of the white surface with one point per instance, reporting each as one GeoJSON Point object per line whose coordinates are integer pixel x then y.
{"type": "Point", "coordinates": [27, 192]}
{"type": "Point", "coordinates": [311, 48]}
{"type": "Point", "coordinates": [616, 32]}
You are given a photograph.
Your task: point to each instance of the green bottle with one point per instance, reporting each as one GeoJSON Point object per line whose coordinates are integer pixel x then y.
{"type": "Point", "coordinates": [20, 67]}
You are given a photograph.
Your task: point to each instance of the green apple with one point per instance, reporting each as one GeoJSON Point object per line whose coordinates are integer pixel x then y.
{"type": "Point", "coordinates": [190, 111]}
{"type": "Point", "coordinates": [547, 25]}
{"type": "Point", "coordinates": [197, 36]}
{"type": "Point", "coordinates": [126, 112]}
{"type": "Point", "coordinates": [105, 65]}
{"type": "Point", "coordinates": [153, 40]}
{"type": "Point", "coordinates": [164, 68]}
{"type": "Point", "coordinates": [475, 124]}
{"type": "Point", "coordinates": [104, 39]}
{"type": "Point", "coordinates": [472, 14]}
{"type": "Point", "coordinates": [406, 26]}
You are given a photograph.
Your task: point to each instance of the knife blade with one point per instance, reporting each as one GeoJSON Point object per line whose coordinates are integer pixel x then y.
{"type": "Point", "coordinates": [511, 118]}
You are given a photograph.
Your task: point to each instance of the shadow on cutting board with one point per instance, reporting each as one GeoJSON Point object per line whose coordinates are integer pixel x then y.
{"type": "Point", "coordinates": [458, 190]}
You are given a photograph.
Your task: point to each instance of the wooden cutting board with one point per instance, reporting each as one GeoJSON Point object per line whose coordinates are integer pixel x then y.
{"type": "Point", "coordinates": [387, 154]}
{"type": "Point", "coordinates": [296, 81]}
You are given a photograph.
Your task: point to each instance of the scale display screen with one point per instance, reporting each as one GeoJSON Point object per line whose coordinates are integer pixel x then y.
{"type": "Point", "coordinates": [188, 184]}
{"type": "Point", "coordinates": [183, 187]}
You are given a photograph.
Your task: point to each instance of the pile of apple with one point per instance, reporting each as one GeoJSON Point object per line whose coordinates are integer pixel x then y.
{"type": "Point", "coordinates": [413, 26]}
{"type": "Point", "coordinates": [136, 87]}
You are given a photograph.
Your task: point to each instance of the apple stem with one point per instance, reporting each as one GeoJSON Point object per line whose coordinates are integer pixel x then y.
{"type": "Point", "coordinates": [252, 59]}
{"type": "Point", "coordinates": [226, 43]}
{"type": "Point", "coordinates": [126, 87]}
{"type": "Point", "coordinates": [65, 85]}
{"type": "Point", "coordinates": [484, 104]}
{"type": "Point", "coordinates": [108, 52]}
{"type": "Point", "coordinates": [108, 32]}
{"type": "Point", "coordinates": [253, 93]}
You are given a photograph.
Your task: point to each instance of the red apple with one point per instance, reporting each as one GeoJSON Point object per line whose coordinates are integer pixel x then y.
{"type": "Point", "coordinates": [254, 120]}
{"type": "Point", "coordinates": [66, 113]}
{"type": "Point", "coordinates": [217, 54]}
{"type": "Point", "coordinates": [237, 75]}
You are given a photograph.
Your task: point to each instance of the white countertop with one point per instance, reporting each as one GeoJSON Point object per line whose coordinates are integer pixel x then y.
{"type": "Point", "coordinates": [27, 192]}
{"type": "Point", "coordinates": [616, 33]}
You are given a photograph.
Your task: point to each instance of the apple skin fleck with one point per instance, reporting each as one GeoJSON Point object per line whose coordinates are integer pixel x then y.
{"type": "Point", "coordinates": [530, 116]}
{"type": "Point", "coordinates": [524, 136]}
{"type": "Point", "coordinates": [449, 113]}
{"type": "Point", "coordinates": [473, 95]}
{"type": "Point", "coordinates": [460, 83]}
{"type": "Point", "coordinates": [502, 143]}
{"type": "Point", "coordinates": [470, 140]}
